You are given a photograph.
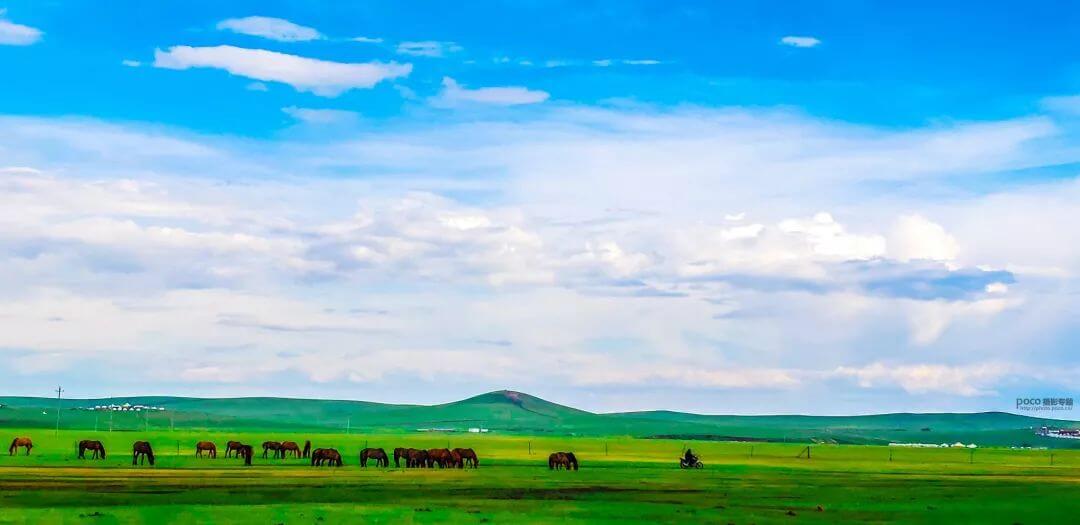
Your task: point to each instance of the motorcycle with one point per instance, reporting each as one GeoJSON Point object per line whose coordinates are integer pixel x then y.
{"type": "Point", "coordinates": [695, 463]}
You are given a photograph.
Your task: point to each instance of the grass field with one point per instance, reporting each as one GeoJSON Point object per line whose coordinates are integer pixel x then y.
{"type": "Point", "coordinates": [622, 480]}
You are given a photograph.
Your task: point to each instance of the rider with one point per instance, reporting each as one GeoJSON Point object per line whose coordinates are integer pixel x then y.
{"type": "Point", "coordinates": [689, 458]}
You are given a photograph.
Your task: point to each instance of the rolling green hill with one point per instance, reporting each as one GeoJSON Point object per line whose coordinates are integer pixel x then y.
{"type": "Point", "coordinates": [518, 413]}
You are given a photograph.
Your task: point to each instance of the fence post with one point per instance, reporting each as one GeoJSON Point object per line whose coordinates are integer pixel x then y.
{"type": "Point", "coordinates": [751, 450]}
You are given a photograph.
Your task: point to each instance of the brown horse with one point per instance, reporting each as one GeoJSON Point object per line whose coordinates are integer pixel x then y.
{"type": "Point", "coordinates": [271, 445]}
{"type": "Point", "coordinates": [559, 460]}
{"type": "Point", "coordinates": [307, 449]}
{"type": "Point", "coordinates": [329, 456]}
{"type": "Point", "coordinates": [440, 457]}
{"type": "Point", "coordinates": [92, 445]}
{"type": "Point", "coordinates": [378, 454]}
{"type": "Point", "coordinates": [289, 446]}
{"type": "Point", "coordinates": [415, 458]}
{"type": "Point", "coordinates": [467, 457]}
{"type": "Point", "coordinates": [399, 453]}
{"type": "Point", "coordinates": [20, 442]}
{"type": "Point", "coordinates": [245, 451]}
{"type": "Point", "coordinates": [210, 448]}
{"type": "Point", "coordinates": [233, 446]}
{"type": "Point", "coordinates": [141, 450]}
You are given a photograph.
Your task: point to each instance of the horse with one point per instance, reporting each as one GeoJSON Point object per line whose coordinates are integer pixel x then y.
{"type": "Point", "coordinates": [559, 460]}
{"type": "Point", "coordinates": [142, 450]}
{"type": "Point", "coordinates": [440, 457]}
{"type": "Point", "coordinates": [289, 446]}
{"type": "Point", "coordinates": [210, 448]}
{"type": "Point", "coordinates": [271, 445]}
{"type": "Point", "coordinates": [455, 459]}
{"type": "Point", "coordinates": [233, 446]}
{"type": "Point", "coordinates": [245, 451]}
{"type": "Point", "coordinates": [398, 454]}
{"type": "Point", "coordinates": [468, 456]}
{"type": "Point", "coordinates": [378, 454]}
{"type": "Point", "coordinates": [415, 458]}
{"type": "Point", "coordinates": [20, 442]}
{"type": "Point", "coordinates": [325, 455]}
{"type": "Point", "coordinates": [95, 446]}
{"type": "Point", "coordinates": [307, 449]}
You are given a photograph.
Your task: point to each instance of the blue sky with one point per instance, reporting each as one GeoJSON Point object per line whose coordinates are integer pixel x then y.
{"type": "Point", "coordinates": [748, 207]}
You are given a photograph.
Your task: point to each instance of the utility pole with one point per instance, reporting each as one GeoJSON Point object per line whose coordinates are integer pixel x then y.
{"type": "Point", "coordinates": [348, 425]}
{"type": "Point", "coordinates": [58, 392]}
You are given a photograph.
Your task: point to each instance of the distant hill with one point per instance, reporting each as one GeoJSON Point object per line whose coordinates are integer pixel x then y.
{"type": "Point", "coordinates": [507, 411]}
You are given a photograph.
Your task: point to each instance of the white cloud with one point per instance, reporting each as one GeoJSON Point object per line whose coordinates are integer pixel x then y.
{"type": "Point", "coordinates": [454, 93]}
{"type": "Point", "coordinates": [367, 40]}
{"type": "Point", "coordinates": [428, 48]}
{"type": "Point", "coordinates": [271, 28]}
{"type": "Point", "coordinates": [602, 63]}
{"type": "Point", "coordinates": [800, 41]}
{"type": "Point", "coordinates": [321, 77]}
{"type": "Point", "coordinates": [131, 63]}
{"type": "Point", "coordinates": [257, 86]}
{"type": "Point", "coordinates": [609, 249]}
{"type": "Point", "coordinates": [320, 116]}
{"type": "Point", "coordinates": [916, 237]}
{"type": "Point", "coordinates": [641, 62]}
{"type": "Point", "coordinates": [966, 380]}
{"type": "Point", "coordinates": [12, 34]}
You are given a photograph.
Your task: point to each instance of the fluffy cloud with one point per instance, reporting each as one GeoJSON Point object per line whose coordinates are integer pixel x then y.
{"type": "Point", "coordinates": [630, 246]}
{"type": "Point", "coordinates": [268, 27]}
{"type": "Point", "coordinates": [970, 380]}
{"type": "Point", "coordinates": [454, 94]}
{"type": "Point", "coordinates": [800, 41]}
{"type": "Point", "coordinates": [12, 34]}
{"type": "Point", "coordinates": [320, 77]}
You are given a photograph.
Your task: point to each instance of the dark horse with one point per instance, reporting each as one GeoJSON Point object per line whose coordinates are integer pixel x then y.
{"type": "Point", "coordinates": [467, 457]}
{"type": "Point", "coordinates": [95, 446]}
{"type": "Point", "coordinates": [328, 456]}
{"type": "Point", "coordinates": [20, 442]}
{"type": "Point", "coordinates": [289, 446]}
{"type": "Point", "coordinates": [440, 457]}
{"type": "Point", "coordinates": [378, 454]}
{"type": "Point", "coordinates": [141, 450]}
{"type": "Point", "coordinates": [416, 458]}
{"type": "Point", "coordinates": [307, 449]}
{"type": "Point", "coordinates": [559, 460]}
{"type": "Point", "coordinates": [398, 454]}
{"type": "Point", "coordinates": [210, 448]}
{"type": "Point", "coordinates": [245, 451]}
{"type": "Point", "coordinates": [233, 446]}
{"type": "Point", "coordinates": [271, 445]}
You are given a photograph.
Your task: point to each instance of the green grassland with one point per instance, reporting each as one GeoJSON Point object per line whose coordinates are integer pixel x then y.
{"type": "Point", "coordinates": [627, 475]}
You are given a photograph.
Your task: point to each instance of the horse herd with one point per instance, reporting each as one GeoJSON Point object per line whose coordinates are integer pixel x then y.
{"type": "Point", "coordinates": [142, 452]}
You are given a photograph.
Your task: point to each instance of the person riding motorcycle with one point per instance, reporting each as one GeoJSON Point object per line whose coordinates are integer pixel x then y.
{"type": "Point", "coordinates": [689, 459]}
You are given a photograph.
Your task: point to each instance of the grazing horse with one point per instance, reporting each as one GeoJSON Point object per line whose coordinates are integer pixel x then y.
{"type": "Point", "coordinates": [289, 446]}
{"type": "Point", "coordinates": [329, 456]}
{"type": "Point", "coordinates": [210, 448]}
{"type": "Point", "coordinates": [142, 450]}
{"type": "Point", "coordinates": [467, 457]}
{"type": "Point", "coordinates": [415, 458]}
{"type": "Point", "coordinates": [559, 460]}
{"type": "Point", "coordinates": [307, 449]}
{"type": "Point", "coordinates": [398, 454]}
{"type": "Point", "coordinates": [233, 446]}
{"type": "Point", "coordinates": [271, 445]}
{"type": "Point", "coordinates": [378, 454]}
{"type": "Point", "coordinates": [440, 457]}
{"type": "Point", "coordinates": [95, 446]}
{"type": "Point", "coordinates": [245, 451]}
{"type": "Point", "coordinates": [20, 442]}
